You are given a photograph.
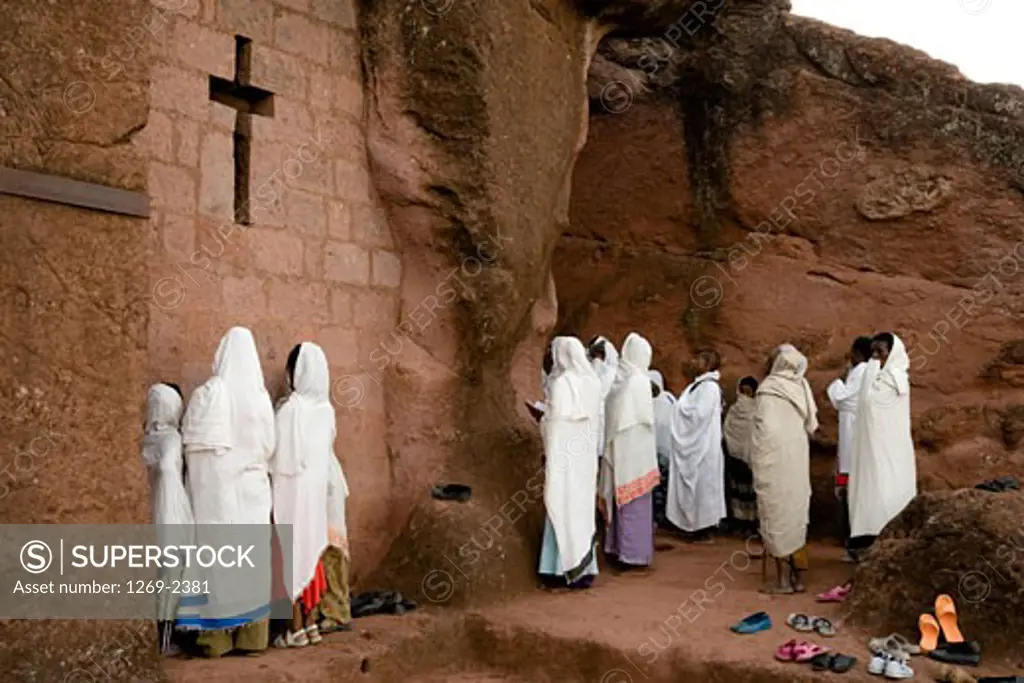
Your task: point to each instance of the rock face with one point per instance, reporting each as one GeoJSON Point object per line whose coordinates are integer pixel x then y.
{"type": "Point", "coordinates": [771, 179]}
{"type": "Point", "coordinates": [967, 544]}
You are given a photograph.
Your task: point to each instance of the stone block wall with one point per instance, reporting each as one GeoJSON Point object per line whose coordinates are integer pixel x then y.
{"type": "Point", "coordinates": [317, 261]}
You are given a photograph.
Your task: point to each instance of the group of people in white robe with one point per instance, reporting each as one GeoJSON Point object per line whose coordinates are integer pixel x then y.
{"type": "Point", "coordinates": [227, 459]}
{"type": "Point", "coordinates": [607, 421]}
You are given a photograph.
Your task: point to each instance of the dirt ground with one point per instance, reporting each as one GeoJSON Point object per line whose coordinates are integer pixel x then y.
{"type": "Point", "coordinates": [670, 625]}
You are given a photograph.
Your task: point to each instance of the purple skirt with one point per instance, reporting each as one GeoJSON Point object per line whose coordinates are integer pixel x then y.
{"type": "Point", "coordinates": [631, 534]}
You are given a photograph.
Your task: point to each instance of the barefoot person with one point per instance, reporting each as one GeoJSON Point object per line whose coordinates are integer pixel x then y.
{"type": "Point", "coordinates": [842, 393]}
{"type": "Point", "coordinates": [780, 460]}
{"type": "Point", "coordinates": [228, 432]}
{"type": "Point", "coordinates": [169, 503]}
{"type": "Point", "coordinates": [569, 431]}
{"type": "Point", "coordinates": [883, 474]}
{"type": "Point", "coordinates": [629, 469]}
{"type": "Point", "coordinates": [737, 431]}
{"type": "Point", "coordinates": [696, 485]}
{"type": "Point", "coordinates": [299, 472]}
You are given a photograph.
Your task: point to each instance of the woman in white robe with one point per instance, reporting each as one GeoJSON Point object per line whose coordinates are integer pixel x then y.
{"type": "Point", "coordinates": [696, 484]}
{"type": "Point", "coordinates": [883, 474]}
{"type": "Point", "coordinates": [300, 470]}
{"type": "Point", "coordinates": [169, 504]}
{"type": "Point", "coordinates": [604, 359]}
{"type": "Point", "coordinates": [629, 469]}
{"type": "Point", "coordinates": [663, 403]}
{"type": "Point", "coordinates": [780, 459]}
{"type": "Point", "coordinates": [569, 431]}
{"type": "Point", "coordinates": [228, 433]}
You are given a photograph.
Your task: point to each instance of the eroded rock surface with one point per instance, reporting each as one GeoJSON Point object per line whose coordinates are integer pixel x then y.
{"type": "Point", "coordinates": [772, 179]}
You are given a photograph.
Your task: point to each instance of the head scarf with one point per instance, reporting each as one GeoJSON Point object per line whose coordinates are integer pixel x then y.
{"type": "Point", "coordinates": [163, 416]}
{"type": "Point", "coordinates": [305, 419]}
{"type": "Point", "coordinates": [572, 370]}
{"type": "Point", "coordinates": [606, 369]}
{"type": "Point", "coordinates": [787, 381]}
{"type": "Point", "coordinates": [739, 425]}
{"type": "Point", "coordinates": [656, 377]}
{"type": "Point", "coordinates": [897, 366]}
{"type": "Point", "coordinates": [235, 393]}
{"type": "Point", "coordinates": [630, 402]}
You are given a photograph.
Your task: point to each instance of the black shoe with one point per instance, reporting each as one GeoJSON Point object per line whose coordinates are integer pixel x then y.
{"type": "Point", "coordinates": [964, 654]}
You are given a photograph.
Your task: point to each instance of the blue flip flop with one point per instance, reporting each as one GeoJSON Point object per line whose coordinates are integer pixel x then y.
{"type": "Point", "coordinates": [760, 621]}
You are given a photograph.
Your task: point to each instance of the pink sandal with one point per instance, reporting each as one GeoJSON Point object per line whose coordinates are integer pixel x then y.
{"type": "Point", "coordinates": [785, 653]}
{"type": "Point", "coordinates": [837, 594]}
{"type": "Point", "coordinates": [805, 652]}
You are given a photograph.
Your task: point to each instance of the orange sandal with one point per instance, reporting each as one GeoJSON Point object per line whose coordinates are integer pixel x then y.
{"type": "Point", "coordinates": [945, 610]}
{"type": "Point", "coordinates": [929, 632]}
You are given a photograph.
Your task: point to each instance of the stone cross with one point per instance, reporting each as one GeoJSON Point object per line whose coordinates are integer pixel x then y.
{"type": "Point", "coordinates": [247, 100]}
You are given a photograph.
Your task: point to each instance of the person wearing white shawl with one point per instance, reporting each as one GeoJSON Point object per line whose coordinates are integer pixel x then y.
{"type": "Point", "coordinates": [696, 480]}
{"type": "Point", "coordinates": [569, 431]}
{"type": "Point", "coordinates": [228, 433]}
{"type": "Point", "coordinates": [843, 393]}
{"type": "Point", "coordinates": [883, 474]}
{"type": "Point", "coordinates": [780, 459]}
{"type": "Point", "coordinates": [169, 504]}
{"type": "Point", "coordinates": [629, 469]}
{"type": "Point", "coordinates": [738, 429]}
{"type": "Point", "coordinates": [299, 473]}
{"type": "Point", "coordinates": [663, 402]}
{"type": "Point", "coordinates": [604, 359]}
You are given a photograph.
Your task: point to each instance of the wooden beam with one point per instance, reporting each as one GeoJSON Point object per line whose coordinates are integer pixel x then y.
{"type": "Point", "coordinates": [52, 188]}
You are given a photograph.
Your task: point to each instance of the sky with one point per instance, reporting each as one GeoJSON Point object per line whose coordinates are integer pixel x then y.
{"type": "Point", "coordinates": [981, 37]}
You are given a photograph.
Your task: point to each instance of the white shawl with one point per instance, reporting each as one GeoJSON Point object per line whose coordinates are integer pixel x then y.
{"type": "Point", "coordinates": [569, 430]}
{"type": "Point", "coordinates": [843, 395]}
{"type": "Point", "coordinates": [228, 433]}
{"type": "Point", "coordinates": [663, 405]}
{"type": "Point", "coordinates": [696, 484]}
{"type": "Point", "coordinates": [606, 371]}
{"type": "Point", "coordinates": [169, 503]}
{"type": "Point", "coordinates": [300, 466]}
{"type": "Point", "coordinates": [883, 474]}
{"type": "Point", "coordinates": [739, 426]}
{"type": "Point", "coordinates": [630, 467]}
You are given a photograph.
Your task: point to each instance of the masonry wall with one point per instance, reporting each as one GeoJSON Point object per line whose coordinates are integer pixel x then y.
{"type": "Point", "coordinates": [317, 263]}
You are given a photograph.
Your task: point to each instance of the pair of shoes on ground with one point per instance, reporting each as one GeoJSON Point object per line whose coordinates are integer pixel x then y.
{"type": "Point", "coordinates": [893, 667]}
{"type": "Point", "coordinates": [301, 638]}
{"type": "Point", "coordinates": [894, 645]}
{"type": "Point", "coordinates": [805, 624]}
{"type": "Point", "coordinates": [955, 650]}
{"type": "Point", "coordinates": [820, 658]}
{"type": "Point", "coordinates": [755, 623]}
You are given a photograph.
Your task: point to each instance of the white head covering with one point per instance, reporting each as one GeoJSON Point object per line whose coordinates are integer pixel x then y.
{"type": "Point", "coordinates": [572, 368]}
{"type": "Point", "coordinates": [163, 416]}
{"type": "Point", "coordinates": [630, 402]}
{"type": "Point", "coordinates": [897, 366]}
{"type": "Point", "coordinates": [739, 425]}
{"type": "Point", "coordinates": [606, 369]}
{"type": "Point", "coordinates": [235, 392]}
{"type": "Point", "coordinates": [306, 414]}
{"type": "Point", "coordinates": [787, 381]}
{"type": "Point", "coordinates": [656, 377]}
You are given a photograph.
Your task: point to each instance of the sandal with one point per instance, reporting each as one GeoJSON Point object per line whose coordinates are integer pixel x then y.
{"type": "Point", "coordinates": [822, 662]}
{"type": "Point", "coordinates": [785, 652]}
{"type": "Point", "coordinates": [313, 633]}
{"type": "Point", "coordinates": [800, 622]}
{"type": "Point", "coordinates": [805, 652]}
{"type": "Point", "coordinates": [842, 663]}
{"type": "Point", "coordinates": [929, 632]}
{"type": "Point", "coordinates": [894, 646]}
{"type": "Point", "coordinates": [291, 639]}
{"type": "Point", "coordinates": [823, 627]}
{"type": "Point", "coordinates": [945, 610]}
{"type": "Point", "coordinates": [837, 594]}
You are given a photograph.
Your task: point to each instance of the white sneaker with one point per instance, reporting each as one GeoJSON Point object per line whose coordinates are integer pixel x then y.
{"type": "Point", "coordinates": [878, 664]}
{"type": "Point", "coordinates": [897, 670]}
